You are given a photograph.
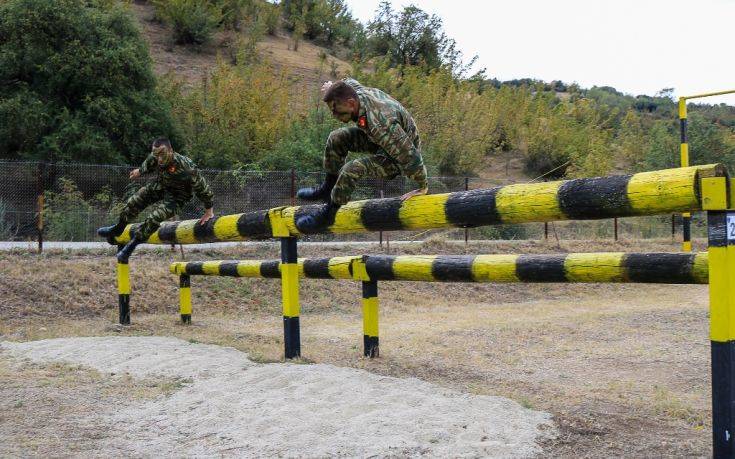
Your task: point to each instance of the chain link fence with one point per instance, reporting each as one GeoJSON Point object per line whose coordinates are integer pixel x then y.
{"type": "Point", "coordinates": [68, 202]}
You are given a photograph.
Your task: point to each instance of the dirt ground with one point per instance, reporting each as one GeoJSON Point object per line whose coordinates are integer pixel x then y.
{"type": "Point", "coordinates": [624, 369]}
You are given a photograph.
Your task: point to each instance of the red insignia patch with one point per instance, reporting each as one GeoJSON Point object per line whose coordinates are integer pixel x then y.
{"type": "Point", "coordinates": [171, 169]}
{"type": "Point", "coordinates": [362, 122]}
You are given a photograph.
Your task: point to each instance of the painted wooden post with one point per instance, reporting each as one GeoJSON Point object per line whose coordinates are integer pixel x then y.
{"type": "Point", "coordinates": [721, 229]}
{"type": "Point", "coordinates": [185, 298]}
{"type": "Point", "coordinates": [290, 297]}
{"type": "Point", "coordinates": [123, 292]}
{"type": "Point", "coordinates": [370, 335]}
{"type": "Point", "coordinates": [721, 260]}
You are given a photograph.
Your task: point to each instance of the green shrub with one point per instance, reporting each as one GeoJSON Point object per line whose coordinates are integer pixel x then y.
{"type": "Point", "coordinates": [77, 83]}
{"type": "Point", "coordinates": [193, 21]}
{"type": "Point", "coordinates": [66, 213]}
{"type": "Point", "coordinates": [302, 146]}
{"type": "Point", "coordinates": [233, 118]}
{"type": "Point", "coordinates": [6, 229]}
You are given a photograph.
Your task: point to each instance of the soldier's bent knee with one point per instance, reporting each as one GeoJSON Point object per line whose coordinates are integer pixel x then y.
{"type": "Point", "coordinates": [338, 138]}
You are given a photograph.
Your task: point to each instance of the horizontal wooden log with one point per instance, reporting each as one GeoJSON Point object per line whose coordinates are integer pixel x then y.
{"type": "Point", "coordinates": [647, 193]}
{"type": "Point", "coordinates": [661, 268]}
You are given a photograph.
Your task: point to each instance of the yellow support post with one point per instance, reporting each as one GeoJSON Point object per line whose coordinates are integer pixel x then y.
{"type": "Point", "coordinates": [289, 284]}
{"type": "Point", "coordinates": [185, 298]}
{"type": "Point", "coordinates": [123, 293]}
{"type": "Point", "coordinates": [686, 217]}
{"type": "Point", "coordinates": [721, 260]}
{"type": "Point", "coordinates": [370, 309]}
{"type": "Point", "coordinates": [722, 329]}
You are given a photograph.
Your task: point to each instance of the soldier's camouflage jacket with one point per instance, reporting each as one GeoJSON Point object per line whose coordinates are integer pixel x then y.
{"type": "Point", "coordinates": [389, 125]}
{"type": "Point", "coordinates": [180, 178]}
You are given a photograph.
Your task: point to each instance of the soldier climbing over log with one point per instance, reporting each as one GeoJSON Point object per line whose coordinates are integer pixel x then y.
{"type": "Point", "coordinates": [384, 128]}
{"type": "Point", "coordinates": [177, 179]}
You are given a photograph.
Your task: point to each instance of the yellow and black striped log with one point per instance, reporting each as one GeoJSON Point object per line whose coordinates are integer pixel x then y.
{"type": "Point", "coordinates": [316, 268]}
{"type": "Point", "coordinates": [664, 268]}
{"type": "Point", "coordinates": [647, 193]}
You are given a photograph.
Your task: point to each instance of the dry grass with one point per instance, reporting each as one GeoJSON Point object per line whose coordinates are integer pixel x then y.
{"type": "Point", "coordinates": [623, 368]}
{"type": "Point", "coordinates": [57, 410]}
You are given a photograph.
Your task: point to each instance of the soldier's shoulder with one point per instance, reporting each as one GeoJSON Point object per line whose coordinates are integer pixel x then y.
{"type": "Point", "coordinates": [184, 161]}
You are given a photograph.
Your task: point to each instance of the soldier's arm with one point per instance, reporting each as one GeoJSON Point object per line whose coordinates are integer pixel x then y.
{"type": "Point", "coordinates": [398, 144]}
{"type": "Point", "coordinates": [148, 165]}
{"type": "Point", "coordinates": [201, 189]}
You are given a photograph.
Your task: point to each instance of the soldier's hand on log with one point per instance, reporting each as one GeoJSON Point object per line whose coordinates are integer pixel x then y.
{"type": "Point", "coordinates": [208, 214]}
{"type": "Point", "coordinates": [325, 87]}
{"type": "Point", "coordinates": [413, 193]}
{"type": "Point", "coordinates": [134, 174]}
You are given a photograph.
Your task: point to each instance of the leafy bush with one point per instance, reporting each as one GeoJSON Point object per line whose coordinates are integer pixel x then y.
{"type": "Point", "coordinates": [193, 21]}
{"type": "Point", "coordinates": [66, 213]}
{"type": "Point", "coordinates": [77, 83]}
{"type": "Point", "coordinates": [302, 145]}
{"type": "Point", "coordinates": [235, 117]}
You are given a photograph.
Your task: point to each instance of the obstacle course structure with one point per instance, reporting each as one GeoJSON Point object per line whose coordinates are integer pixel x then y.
{"type": "Point", "coordinates": [662, 268]}
{"type": "Point", "coordinates": [679, 190]}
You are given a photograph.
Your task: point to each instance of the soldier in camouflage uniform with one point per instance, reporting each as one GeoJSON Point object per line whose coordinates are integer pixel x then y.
{"type": "Point", "coordinates": [383, 128]}
{"type": "Point", "coordinates": [177, 179]}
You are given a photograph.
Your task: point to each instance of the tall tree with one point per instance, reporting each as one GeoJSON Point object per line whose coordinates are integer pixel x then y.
{"type": "Point", "coordinates": [76, 83]}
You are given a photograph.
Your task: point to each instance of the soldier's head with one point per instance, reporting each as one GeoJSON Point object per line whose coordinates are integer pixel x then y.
{"type": "Point", "coordinates": [163, 151]}
{"type": "Point", "coordinates": [342, 100]}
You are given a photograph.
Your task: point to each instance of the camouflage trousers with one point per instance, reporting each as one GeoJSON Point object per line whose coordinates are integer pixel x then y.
{"type": "Point", "coordinates": [165, 205]}
{"type": "Point", "coordinates": [352, 139]}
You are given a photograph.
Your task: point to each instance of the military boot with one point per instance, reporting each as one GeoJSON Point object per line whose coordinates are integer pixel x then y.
{"type": "Point", "coordinates": [124, 254]}
{"type": "Point", "coordinates": [112, 231]}
{"type": "Point", "coordinates": [322, 191]}
{"type": "Point", "coordinates": [319, 220]}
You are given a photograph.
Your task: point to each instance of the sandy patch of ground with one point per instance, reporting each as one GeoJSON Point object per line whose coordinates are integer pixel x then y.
{"type": "Point", "coordinates": [228, 405]}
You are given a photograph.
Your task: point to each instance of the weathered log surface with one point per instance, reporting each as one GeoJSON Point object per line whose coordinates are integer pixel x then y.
{"type": "Point", "coordinates": [662, 268]}
{"type": "Point", "coordinates": [647, 193]}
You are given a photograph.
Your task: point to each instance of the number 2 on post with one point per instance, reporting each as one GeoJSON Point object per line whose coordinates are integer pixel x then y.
{"type": "Point", "coordinates": [731, 227]}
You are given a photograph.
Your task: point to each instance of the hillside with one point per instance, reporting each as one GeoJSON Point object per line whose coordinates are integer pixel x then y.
{"type": "Point", "coordinates": [304, 66]}
{"type": "Point", "coordinates": [193, 63]}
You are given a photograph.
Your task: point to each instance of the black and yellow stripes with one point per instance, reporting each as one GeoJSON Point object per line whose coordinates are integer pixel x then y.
{"type": "Point", "coordinates": [123, 293]}
{"type": "Point", "coordinates": [722, 329]}
{"type": "Point", "coordinates": [290, 298]}
{"type": "Point", "coordinates": [312, 268]}
{"type": "Point", "coordinates": [647, 193]}
{"type": "Point", "coordinates": [371, 341]}
{"type": "Point", "coordinates": [185, 298]}
{"type": "Point", "coordinates": [665, 268]}
{"type": "Point", "coordinates": [686, 217]}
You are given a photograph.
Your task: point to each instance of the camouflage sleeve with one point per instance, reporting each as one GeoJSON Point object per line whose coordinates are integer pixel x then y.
{"type": "Point", "coordinates": [394, 140]}
{"type": "Point", "coordinates": [148, 165]}
{"type": "Point", "coordinates": [201, 189]}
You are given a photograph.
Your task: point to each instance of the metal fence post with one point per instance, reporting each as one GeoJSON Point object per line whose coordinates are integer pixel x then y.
{"type": "Point", "coordinates": [40, 203]}
{"type": "Point", "coordinates": [673, 226]}
{"type": "Point", "coordinates": [293, 187]}
{"type": "Point", "coordinates": [382, 185]}
{"type": "Point", "coordinates": [466, 230]}
{"type": "Point", "coordinates": [615, 224]}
